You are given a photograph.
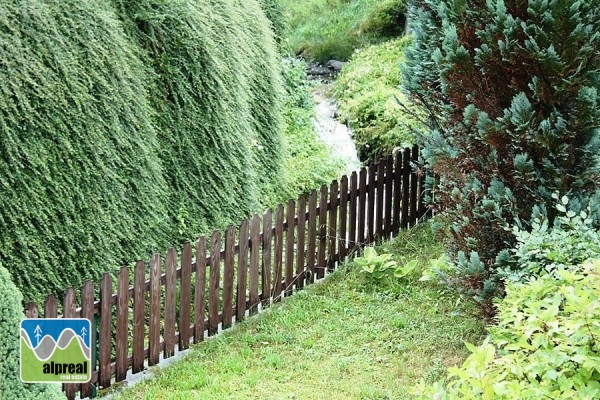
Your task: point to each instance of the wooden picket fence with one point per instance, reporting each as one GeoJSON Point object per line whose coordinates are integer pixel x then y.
{"type": "Point", "coordinates": [163, 307]}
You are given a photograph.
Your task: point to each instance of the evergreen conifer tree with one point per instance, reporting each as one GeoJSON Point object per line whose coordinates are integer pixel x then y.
{"type": "Point", "coordinates": [511, 89]}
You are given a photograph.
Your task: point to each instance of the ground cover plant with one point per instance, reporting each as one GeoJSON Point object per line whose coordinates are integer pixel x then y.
{"type": "Point", "coordinates": [371, 102]}
{"type": "Point", "coordinates": [332, 29]}
{"type": "Point", "coordinates": [511, 91]}
{"type": "Point", "coordinates": [343, 338]}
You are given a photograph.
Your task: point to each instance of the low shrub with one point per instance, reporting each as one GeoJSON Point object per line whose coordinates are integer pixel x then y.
{"type": "Point", "coordinates": [369, 99]}
{"type": "Point", "coordinates": [387, 20]}
{"type": "Point", "coordinates": [11, 313]}
{"type": "Point", "coordinates": [545, 345]}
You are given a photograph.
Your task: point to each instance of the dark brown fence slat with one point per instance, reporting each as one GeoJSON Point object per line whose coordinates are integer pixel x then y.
{"type": "Point", "coordinates": [362, 204]}
{"type": "Point", "coordinates": [105, 330]}
{"type": "Point", "coordinates": [312, 236]}
{"type": "Point", "coordinates": [154, 328]}
{"type": "Point", "coordinates": [139, 303]}
{"type": "Point", "coordinates": [379, 196]}
{"type": "Point", "coordinates": [414, 188]}
{"type": "Point", "coordinates": [342, 244]}
{"type": "Point", "coordinates": [398, 175]}
{"type": "Point", "coordinates": [87, 311]}
{"type": "Point", "coordinates": [50, 307]}
{"type": "Point", "coordinates": [278, 269]}
{"type": "Point", "coordinates": [322, 233]}
{"type": "Point", "coordinates": [185, 296]}
{"type": "Point", "coordinates": [389, 182]}
{"type": "Point", "coordinates": [301, 241]}
{"type": "Point", "coordinates": [215, 270]}
{"type": "Point", "coordinates": [69, 307]}
{"type": "Point", "coordinates": [122, 324]}
{"type": "Point", "coordinates": [170, 289]}
{"type": "Point", "coordinates": [228, 277]}
{"type": "Point", "coordinates": [353, 206]}
{"type": "Point", "coordinates": [255, 247]}
{"type": "Point", "coordinates": [405, 187]}
{"type": "Point", "coordinates": [371, 203]}
{"type": "Point", "coordinates": [200, 290]}
{"type": "Point", "coordinates": [242, 273]}
{"type": "Point", "coordinates": [31, 310]}
{"type": "Point", "coordinates": [332, 228]}
{"type": "Point", "coordinates": [266, 256]}
{"type": "Point", "coordinates": [289, 247]}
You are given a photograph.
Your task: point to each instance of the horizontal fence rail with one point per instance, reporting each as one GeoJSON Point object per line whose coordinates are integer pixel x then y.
{"type": "Point", "coordinates": [162, 307]}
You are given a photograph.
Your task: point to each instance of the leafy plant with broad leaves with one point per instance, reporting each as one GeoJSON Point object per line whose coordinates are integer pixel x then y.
{"type": "Point", "coordinates": [378, 266]}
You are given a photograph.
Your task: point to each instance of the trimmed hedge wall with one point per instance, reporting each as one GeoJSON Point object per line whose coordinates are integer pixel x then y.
{"type": "Point", "coordinates": [128, 126]}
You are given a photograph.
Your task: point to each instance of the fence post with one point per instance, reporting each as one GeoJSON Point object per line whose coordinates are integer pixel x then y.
{"type": "Point", "coordinates": [215, 269]}
{"type": "Point", "coordinates": [228, 277]}
{"type": "Point", "coordinates": [300, 274]}
{"type": "Point", "coordinates": [332, 228]}
{"type": "Point", "coordinates": [122, 324]}
{"type": "Point", "coordinates": [139, 305]}
{"type": "Point", "coordinates": [200, 290]}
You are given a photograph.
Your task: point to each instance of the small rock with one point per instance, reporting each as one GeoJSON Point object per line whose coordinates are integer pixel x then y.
{"type": "Point", "coordinates": [336, 65]}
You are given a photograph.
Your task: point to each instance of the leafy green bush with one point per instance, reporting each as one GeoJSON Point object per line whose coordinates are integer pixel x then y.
{"type": "Point", "coordinates": [274, 13]}
{"type": "Point", "coordinates": [128, 126]}
{"type": "Point", "coordinates": [324, 30]}
{"type": "Point", "coordinates": [569, 243]}
{"type": "Point", "coordinates": [368, 96]}
{"type": "Point", "coordinates": [11, 314]}
{"type": "Point", "coordinates": [545, 345]}
{"type": "Point", "coordinates": [512, 113]}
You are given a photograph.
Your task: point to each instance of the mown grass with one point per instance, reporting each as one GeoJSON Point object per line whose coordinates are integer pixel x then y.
{"type": "Point", "coordinates": [322, 30]}
{"type": "Point", "coordinates": [340, 339]}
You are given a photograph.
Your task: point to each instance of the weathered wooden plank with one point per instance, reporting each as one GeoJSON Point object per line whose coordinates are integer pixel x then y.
{"type": "Point", "coordinates": [170, 289]}
{"type": "Point", "coordinates": [242, 273]}
{"type": "Point", "coordinates": [104, 345]}
{"type": "Point", "coordinates": [185, 298]}
{"type": "Point", "coordinates": [405, 188]}
{"type": "Point", "coordinates": [122, 341]}
{"type": "Point", "coordinates": [312, 236]}
{"type": "Point", "coordinates": [266, 256]}
{"type": "Point", "coordinates": [228, 277]}
{"type": "Point", "coordinates": [322, 252]}
{"type": "Point", "coordinates": [362, 205]}
{"type": "Point", "coordinates": [371, 203]}
{"type": "Point", "coordinates": [215, 272]}
{"type": "Point", "coordinates": [398, 175]}
{"type": "Point", "coordinates": [414, 194]}
{"type": "Point", "coordinates": [389, 183]}
{"type": "Point", "coordinates": [343, 243]}
{"type": "Point", "coordinates": [255, 247]}
{"type": "Point", "coordinates": [200, 290]}
{"type": "Point", "coordinates": [332, 228]}
{"type": "Point", "coordinates": [278, 269]}
{"type": "Point", "coordinates": [353, 215]}
{"type": "Point", "coordinates": [50, 307]}
{"type": "Point", "coordinates": [31, 310]}
{"type": "Point", "coordinates": [69, 307]}
{"type": "Point", "coordinates": [379, 199]}
{"type": "Point", "coordinates": [289, 247]}
{"type": "Point", "coordinates": [155, 310]}
{"type": "Point", "coordinates": [87, 311]}
{"type": "Point", "coordinates": [301, 242]}
{"type": "Point", "coordinates": [139, 303]}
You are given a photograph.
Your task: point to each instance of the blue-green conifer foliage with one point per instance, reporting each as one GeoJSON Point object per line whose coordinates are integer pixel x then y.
{"type": "Point", "coordinates": [129, 126]}
{"type": "Point", "coordinates": [512, 93]}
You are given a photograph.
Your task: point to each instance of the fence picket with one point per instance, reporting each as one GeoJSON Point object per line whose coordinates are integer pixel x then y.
{"type": "Point", "coordinates": [154, 328]}
{"type": "Point", "coordinates": [266, 261]}
{"type": "Point", "coordinates": [353, 206]}
{"type": "Point", "coordinates": [69, 307]}
{"type": "Point", "coordinates": [312, 236]}
{"type": "Point", "coordinates": [278, 270]}
{"type": "Point", "coordinates": [139, 303]}
{"type": "Point", "coordinates": [379, 199]}
{"type": "Point", "coordinates": [398, 175]}
{"type": "Point", "coordinates": [185, 296]}
{"type": "Point", "coordinates": [213, 290]}
{"type": "Point", "coordinates": [342, 242]}
{"type": "Point", "coordinates": [104, 350]}
{"type": "Point", "coordinates": [122, 321]}
{"type": "Point", "coordinates": [170, 288]}
{"type": "Point", "coordinates": [255, 246]}
{"type": "Point", "coordinates": [200, 290]}
{"type": "Point", "coordinates": [241, 297]}
{"type": "Point", "coordinates": [405, 188]}
{"type": "Point", "coordinates": [87, 311]}
{"type": "Point", "coordinates": [50, 307]}
{"type": "Point", "coordinates": [413, 187]}
{"type": "Point", "coordinates": [320, 269]}
{"type": "Point", "coordinates": [371, 203]}
{"type": "Point", "coordinates": [228, 277]}
{"type": "Point", "coordinates": [362, 204]}
{"type": "Point", "coordinates": [332, 227]}
{"type": "Point", "coordinates": [301, 228]}
{"type": "Point", "coordinates": [389, 173]}
{"type": "Point", "coordinates": [289, 247]}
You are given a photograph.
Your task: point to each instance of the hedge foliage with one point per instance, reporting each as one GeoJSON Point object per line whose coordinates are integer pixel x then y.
{"type": "Point", "coordinates": [11, 313]}
{"type": "Point", "coordinates": [128, 126]}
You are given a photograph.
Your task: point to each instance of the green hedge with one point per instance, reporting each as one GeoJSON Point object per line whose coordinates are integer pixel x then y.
{"type": "Point", "coordinates": [11, 313]}
{"type": "Point", "coordinates": [128, 126]}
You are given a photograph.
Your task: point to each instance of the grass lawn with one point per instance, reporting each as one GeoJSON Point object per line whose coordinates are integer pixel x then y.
{"type": "Point", "coordinates": [340, 339]}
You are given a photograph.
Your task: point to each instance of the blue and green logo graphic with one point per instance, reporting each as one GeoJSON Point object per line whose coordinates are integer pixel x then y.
{"type": "Point", "coordinates": [55, 350]}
